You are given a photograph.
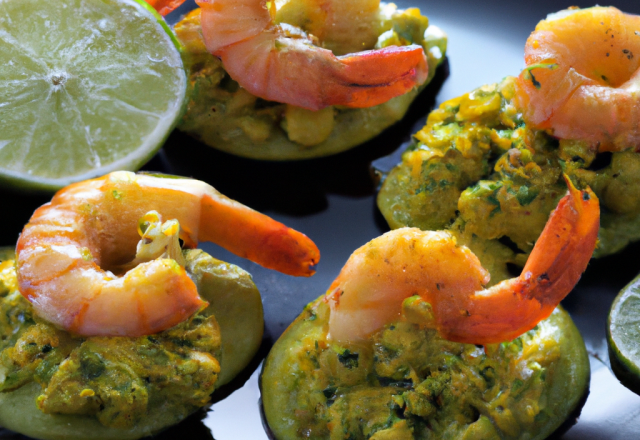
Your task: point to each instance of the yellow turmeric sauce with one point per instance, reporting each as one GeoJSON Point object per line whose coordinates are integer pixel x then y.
{"type": "Point", "coordinates": [478, 169]}
{"type": "Point", "coordinates": [406, 382]}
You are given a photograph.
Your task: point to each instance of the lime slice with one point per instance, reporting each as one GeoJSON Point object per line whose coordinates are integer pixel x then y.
{"type": "Point", "coordinates": [623, 336]}
{"type": "Point", "coordinates": [86, 87]}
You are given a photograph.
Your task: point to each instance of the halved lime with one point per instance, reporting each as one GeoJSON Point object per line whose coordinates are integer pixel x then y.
{"type": "Point", "coordinates": [86, 87]}
{"type": "Point", "coordinates": [623, 336]}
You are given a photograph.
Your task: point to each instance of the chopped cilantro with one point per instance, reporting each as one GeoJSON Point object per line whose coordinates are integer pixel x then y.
{"type": "Point", "coordinates": [526, 195]}
{"type": "Point", "coordinates": [349, 359]}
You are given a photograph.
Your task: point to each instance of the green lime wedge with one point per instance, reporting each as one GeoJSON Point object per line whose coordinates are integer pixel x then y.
{"type": "Point", "coordinates": [86, 87]}
{"type": "Point", "coordinates": [623, 336]}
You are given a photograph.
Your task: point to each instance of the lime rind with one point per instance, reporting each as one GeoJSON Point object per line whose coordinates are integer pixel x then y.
{"type": "Point", "coordinates": [101, 93]}
{"type": "Point", "coordinates": [162, 22]}
{"type": "Point", "coordinates": [623, 336]}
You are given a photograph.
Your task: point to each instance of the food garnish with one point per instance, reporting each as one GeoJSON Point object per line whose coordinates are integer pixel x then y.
{"type": "Point", "coordinates": [623, 336]}
{"type": "Point", "coordinates": [379, 276]}
{"type": "Point", "coordinates": [88, 87]}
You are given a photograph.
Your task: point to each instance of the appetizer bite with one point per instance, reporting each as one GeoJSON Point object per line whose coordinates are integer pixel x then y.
{"type": "Point", "coordinates": [110, 330]}
{"type": "Point", "coordinates": [295, 79]}
{"type": "Point", "coordinates": [489, 164]}
{"type": "Point", "coordinates": [408, 343]}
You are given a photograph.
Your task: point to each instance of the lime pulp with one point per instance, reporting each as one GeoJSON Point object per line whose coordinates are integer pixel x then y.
{"type": "Point", "coordinates": [86, 87]}
{"type": "Point", "coordinates": [623, 336]}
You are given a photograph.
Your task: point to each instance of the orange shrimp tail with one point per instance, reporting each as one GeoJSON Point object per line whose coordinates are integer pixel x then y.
{"type": "Point", "coordinates": [373, 77]}
{"type": "Point", "coordinates": [250, 234]}
{"type": "Point", "coordinates": [554, 267]}
{"type": "Point", "coordinates": [164, 6]}
{"type": "Point", "coordinates": [565, 247]}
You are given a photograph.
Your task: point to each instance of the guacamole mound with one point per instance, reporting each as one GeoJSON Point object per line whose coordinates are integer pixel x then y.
{"type": "Point", "coordinates": [406, 382]}
{"type": "Point", "coordinates": [478, 169]}
{"type": "Point", "coordinates": [129, 386]}
{"type": "Point", "coordinates": [225, 116]}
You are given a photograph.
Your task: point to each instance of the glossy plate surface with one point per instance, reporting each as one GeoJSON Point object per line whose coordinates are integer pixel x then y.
{"type": "Point", "coordinates": [332, 200]}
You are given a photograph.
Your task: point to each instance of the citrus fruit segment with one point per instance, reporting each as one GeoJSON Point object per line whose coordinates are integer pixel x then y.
{"type": "Point", "coordinates": [623, 336]}
{"type": "Point", "coordinates": [86, 87]}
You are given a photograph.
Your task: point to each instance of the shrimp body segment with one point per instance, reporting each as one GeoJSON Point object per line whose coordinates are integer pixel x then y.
{"type": "Point", "coordinates": [379, 276]}
{"type": "Point", "coordinates": [68, 252]}
{"type": "Point", "coordinates": [582, 79]}
{"type": "Point", "coordinates": [281, 63]}
{"type": "Point", "coordinates": [164, 6]}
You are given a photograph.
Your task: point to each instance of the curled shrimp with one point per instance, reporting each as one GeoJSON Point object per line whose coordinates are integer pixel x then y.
{"type": "Point", "coordinates": [67, 253]}
{"type": "Point", "coordinates": [380, 275]}
{"type": "Point", "coordinates": [582, 79]}
{"type": "Point", "coordinates": [281, 63]}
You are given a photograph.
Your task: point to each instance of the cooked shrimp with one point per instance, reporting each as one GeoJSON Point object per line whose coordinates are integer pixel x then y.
{"type": "Point", "coordinates": [371, 287]}
{"type": "Point", "coordinates": [280, 62]}
{"type": "Point", "coordinates": [582, 79]}
{"type": "Point", "coordinates": [68, 251]}
{"type": "Point", "coordinates": [164, 6]}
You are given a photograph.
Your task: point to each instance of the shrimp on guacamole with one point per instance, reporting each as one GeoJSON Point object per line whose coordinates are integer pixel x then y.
{"type": "Point", "coordinates": [407, 344]}
{"type": "Point", "coordinates": [488, 165]}
{"type": "Point", "coordinates": [294, 79]}
{"type": "Point", "coordinates": [110, 329]}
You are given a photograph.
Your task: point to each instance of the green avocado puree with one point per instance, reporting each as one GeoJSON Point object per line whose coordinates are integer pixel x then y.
{"type": "Point", "coordinates": [478, 169]}
{"type": "Point", "coordinates": [54, 384]}
{"type": "Point", "coordinates": [406, 382]}
{"type": "Point", "coordinates": [115, 379]}
{"type": "Point", "coordinates": [225, 116]}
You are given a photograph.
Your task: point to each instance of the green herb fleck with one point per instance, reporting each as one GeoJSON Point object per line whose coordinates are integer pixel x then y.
{"type": "Point", "coordinates": [528, 74]}
{"type": "Point", "coordinates": [517, 384]}
{"type": "Point", "coordinates": [92, 365]}
{"type": "Point", "coordinates": [526, 195]}
{"type": "Point", "coordinates": [348, 359]}
{"type": "Point", "coordinates": [330, 392]}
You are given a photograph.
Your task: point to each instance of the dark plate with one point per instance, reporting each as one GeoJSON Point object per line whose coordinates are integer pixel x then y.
{"type": "Point", "coordinates": [332, 201]}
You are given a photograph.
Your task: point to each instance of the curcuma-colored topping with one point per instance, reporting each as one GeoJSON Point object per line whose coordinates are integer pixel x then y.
{"type": "Point", "coordinates": [59, 385]}
{"type": "Point", "coordinates": [477, 169]}
{"type": "Point", "coordinates": [407, 383]}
